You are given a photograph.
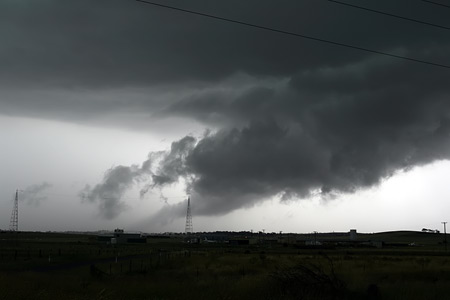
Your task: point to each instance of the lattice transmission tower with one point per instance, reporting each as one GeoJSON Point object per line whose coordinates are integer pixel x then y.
{"type": "Point", "coordinates": [14, 222]}
{"type": "Point", "coordinates": [189, 226]}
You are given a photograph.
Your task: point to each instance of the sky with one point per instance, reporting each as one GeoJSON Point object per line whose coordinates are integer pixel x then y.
{"type": "Point", "coordinates": [113, 112]}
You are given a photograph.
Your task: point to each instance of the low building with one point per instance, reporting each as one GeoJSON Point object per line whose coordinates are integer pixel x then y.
{"type": "Point", "coordinates": [121, 237]}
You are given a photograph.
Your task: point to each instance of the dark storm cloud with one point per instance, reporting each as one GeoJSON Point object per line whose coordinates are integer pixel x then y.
{"type": "Point", "coordinates": [172, 165]}
{"type": "Point", "coordinates": [333, 151]}
{"type": "Point", "coordinates": [341, 142]}
{"type": "Point", "coordinates": [290, 117]}
{"type": "Point", "coordinates": [86, 61]}
{"type": "Point", "coordinates": [98, 44]}
{"type": "Point", "coordinates": [336, 129]}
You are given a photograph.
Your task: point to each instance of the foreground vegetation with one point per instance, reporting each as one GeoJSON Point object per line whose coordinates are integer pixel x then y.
{"type": "Point", "coordinates": [58, 266]}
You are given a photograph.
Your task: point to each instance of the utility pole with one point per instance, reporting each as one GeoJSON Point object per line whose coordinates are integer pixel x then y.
{"type": "Point", "coordinates": [445, 235]}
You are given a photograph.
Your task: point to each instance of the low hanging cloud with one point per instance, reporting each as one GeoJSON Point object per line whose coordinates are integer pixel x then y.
{"type": "Point", "coordinates": [337, 153]}
{"type": "Point", "coordinates": [33, 194]}
{"type": "Point", "coordinates": [170, 167]}
{"type": "Point", "coordinates": [325, 131]}
{"type": "Point", "coordinates": [116, 182]}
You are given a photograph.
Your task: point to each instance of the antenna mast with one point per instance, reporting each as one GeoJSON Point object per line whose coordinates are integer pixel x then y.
{"type": "Point", "coordinates": [14, 222]}
{"type": "Point", "coordinates": [189, 226]}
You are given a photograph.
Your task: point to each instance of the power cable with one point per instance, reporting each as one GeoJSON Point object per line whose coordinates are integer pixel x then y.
{"type": "Point", "coordinates": [295, 34]}
{"type": "Point", "coordinates": [437, 3]}
{"type": "Point", "coordinates": [101, 197]}
{"type": "Point", "coordinates": [390, 15]}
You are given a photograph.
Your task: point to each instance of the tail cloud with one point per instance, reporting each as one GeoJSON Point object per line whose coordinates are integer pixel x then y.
{"type": "Point", "coordinates": [33, 194]}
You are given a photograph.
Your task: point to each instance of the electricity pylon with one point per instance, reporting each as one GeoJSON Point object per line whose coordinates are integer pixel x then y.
{"type": "Point", "coordinates": [14, 222]}
{"type": "Point", "coordinates": [189, 226]}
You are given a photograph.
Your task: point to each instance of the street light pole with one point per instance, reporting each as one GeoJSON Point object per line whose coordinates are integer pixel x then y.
{"type": "Point", "coordinates": [445, 235]}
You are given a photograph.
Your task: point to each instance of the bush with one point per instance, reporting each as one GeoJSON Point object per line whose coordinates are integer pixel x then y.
{"type": "Point", "coordinates": [309, 282]}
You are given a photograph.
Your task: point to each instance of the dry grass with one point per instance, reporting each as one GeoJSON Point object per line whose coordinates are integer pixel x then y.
{"type": "Point", "coordinates": [85, 270]}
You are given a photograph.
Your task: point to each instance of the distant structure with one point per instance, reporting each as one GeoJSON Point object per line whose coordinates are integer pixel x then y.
{"type": "Point", "coordinates": [353, 235]}
{"type": "Point", "coordinates": [14, 222]}
{"type": "Point", "coordinates": [189, 227]}
{"type": "Point", "coordinates": [119, 236]}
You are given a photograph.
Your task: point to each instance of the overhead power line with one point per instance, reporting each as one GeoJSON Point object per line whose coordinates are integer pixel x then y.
{"type": "Point", "coordinates": [437, 3]}
{"type": "Point", "coordinates": [390, 15]}
{"type": "Point", "coordinates": [295, 34]}
{"type": "Point", "coordinates": [84, 196]}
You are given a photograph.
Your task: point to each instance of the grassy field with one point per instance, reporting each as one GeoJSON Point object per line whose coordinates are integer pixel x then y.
{"type": "Point", "coordinates": [63, 266]}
